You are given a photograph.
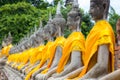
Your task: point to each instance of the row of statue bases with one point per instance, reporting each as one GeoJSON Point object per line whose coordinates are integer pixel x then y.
{"type": "Point", "coordinates": [71, 58]}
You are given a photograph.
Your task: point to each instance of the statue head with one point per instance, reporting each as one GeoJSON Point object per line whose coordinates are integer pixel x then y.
{"type": "Point", "coordinates": [99, 9]}
{"type": "Point", "coordinates": [59, 22]}
{"type": "Point", "coordinates": [118, 31]}
{"type": "Point", "coordinates": [47, 31]}
{"type": "Point", "coordinates": [9, 38]}
{"type": "Point", "coordinates": [39, 37]}
{"type": "Point", "coordinates": [32, 40]}
{"type": "Point", "coordinates": [4, 41]}
{"type": "Point", "coordinates": [74, 16]}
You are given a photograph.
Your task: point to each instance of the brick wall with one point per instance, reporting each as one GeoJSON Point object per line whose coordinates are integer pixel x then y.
{"type": "Point", "coordinates": [117, 59]}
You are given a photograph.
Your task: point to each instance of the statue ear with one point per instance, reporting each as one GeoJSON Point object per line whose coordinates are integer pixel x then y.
{"type": "Point", "coordinates": [106, 5]}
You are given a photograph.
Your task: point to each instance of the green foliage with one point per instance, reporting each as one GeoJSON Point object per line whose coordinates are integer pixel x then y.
{"type": "Point", "coordinates": [37, 3]}
{"type": "Point", "coordinates": [113, 17]}
{"type": "Point", "coordinates": [3, 2]}
{"type": "Point", "coordinates": [18, 19]}
{"type": "Point", "coordinates": [86, 25]}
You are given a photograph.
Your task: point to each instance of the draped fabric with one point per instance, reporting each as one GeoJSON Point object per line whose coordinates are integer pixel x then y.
{"type": "Point", "coordinates": [34, 57]}
{"type": "Point", "coordinates": [5, 50]}
{"type": "Point", "coordinates": [100, 34]}
{"type": "Point", "coordinates": [74, 42]}
{"type": "Point", "coordinates": [58, 42]}
{"type": "Point", "coordinates": [24, 58]}
{"type": "Point", "coordinates": [45, 56]}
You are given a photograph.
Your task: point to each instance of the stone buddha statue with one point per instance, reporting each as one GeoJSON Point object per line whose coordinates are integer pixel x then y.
{"type": "Point", "coordinates": [101, 61]}
{"type": "Point", "coordinates": [72, 58]}
{"type": "Point", "coordinates": [56, 31]}
{"type": "Point", "coordinates": [34, 41]}
{"type": "Point", "coordinates": [7, 45]}
{"type": "Point", "coordinates": [116, 74]}
{"type": "Point", "coordinates": [47, 34]}
{"type": "Point", "coordinates": [99, 45]}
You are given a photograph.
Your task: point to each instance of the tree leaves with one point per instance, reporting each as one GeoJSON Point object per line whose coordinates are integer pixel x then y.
{"type": "Point", "coordinates": [18, 19]}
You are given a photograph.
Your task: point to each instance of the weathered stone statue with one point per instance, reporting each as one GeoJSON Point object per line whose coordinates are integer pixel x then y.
{"type": "Point", "coordinates": [56, 31]}
{"type": "Point", "coordinates": [7, 40]}
{"type": "Point", "coordinates": [116, 74]}
{"type": "Point", "coordinates": [3, 75]}
{"type": "Point", "coordinates": [71, 58]}
{"type": "Point", "coordinates": [6, 44]}
{"type": "Point", "coordinates": [33, 42]}
{"type": "Point", "coordinates": [46, 36]}
{"type": "Point", "coordinates": [99, 57]}
{"type": "Point", "coordinates": [99, 45]}
{"type": "Point", "coordinates": [112, 76]}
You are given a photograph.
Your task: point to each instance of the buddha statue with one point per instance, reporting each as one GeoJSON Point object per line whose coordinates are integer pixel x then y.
{"type": "Point", "coordinates": [33, 42]}
{"type": "Point", "coordinates": [116, 74]}
{"type": "Point", "coordinates": [99, 45]}
{"type": "Point", "coordinates": [101, 61]}
{"type": "Point", "coordinates": [7, 45]}
{"type": "Point", "coordinates": [73, 51]}
{"type": "Point", "coordinates": [56, 31]}
{"type": "Point", "coordinates": [47, 35]}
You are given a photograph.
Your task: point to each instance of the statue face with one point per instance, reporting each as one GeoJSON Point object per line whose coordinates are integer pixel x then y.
{"type": "Point", "coordinates": [73, 19]}
{"type": "Point", "coordinates": [46, 33]}
{"type": "Point", "coordinates": [96, 10]}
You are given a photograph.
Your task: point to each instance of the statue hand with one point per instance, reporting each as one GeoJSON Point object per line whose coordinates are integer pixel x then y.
{"type": "Point", "coordinates": [45, 77]}
{"type": "Point", "coordinates": [51, 78]}
{"type": "Point", "coordinates": [55, 75]}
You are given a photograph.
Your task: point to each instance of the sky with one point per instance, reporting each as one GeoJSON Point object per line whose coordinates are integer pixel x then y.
{"type": "Point", "coordinates": [84, 4]}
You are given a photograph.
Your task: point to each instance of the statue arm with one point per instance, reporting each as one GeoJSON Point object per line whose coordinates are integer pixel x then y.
{"type": "Point", "coordinates": [73, 74]}
{"type": "Point", "coordinates": [52, 71]}
{"type": "Point", "coordinates": [38, 71]}
{"type": "Point", "coordinates": [58, 54]}
{"type": "Point", "coordinates": [112, 76]}
{"type": "Point", "coordinates": [75, 63]}
{"type": "Point", "coordinates": [101, 66]}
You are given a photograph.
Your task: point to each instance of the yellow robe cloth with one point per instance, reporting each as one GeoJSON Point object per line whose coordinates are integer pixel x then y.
{"type": "Point", "coordinates": [5, 50]}
{"type": "Point", "coordinates": [37, 52]}
{"type": "Point", "coordinates": [33, 59]}
{"type": "Point", "coordinates": [74, 42]}
{"type": "Point", "coordinates": [58, 42]}
{"type": "Point", "coordinates": [100, 34]}
{"type": "Point", "coordinates": [24, 58]}
{"type": "Point", "coordinates": [45, 56]}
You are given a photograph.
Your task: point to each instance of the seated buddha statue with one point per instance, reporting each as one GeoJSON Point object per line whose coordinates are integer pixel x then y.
{"type": "Point", "coordinates": [99, 45]}
{"type": "Point", "coordinates": [73, 50]}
